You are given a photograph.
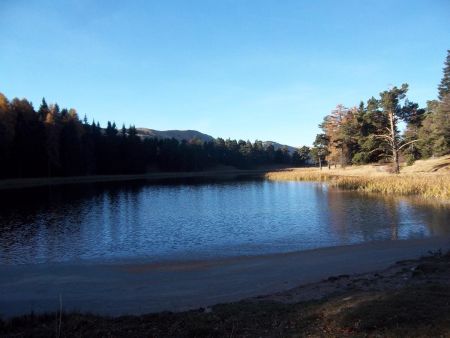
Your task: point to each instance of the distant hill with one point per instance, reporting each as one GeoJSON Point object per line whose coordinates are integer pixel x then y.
{"type": "Point", "coordinates": [194, 134]}
{"type": "Point", "coordinates": [176, 134]}
{"type": "Point", "coordinates": [277, 146]}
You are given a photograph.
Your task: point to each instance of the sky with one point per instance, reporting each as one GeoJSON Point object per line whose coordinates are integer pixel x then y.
{"type": "Point", "coordinates": [240, 69]}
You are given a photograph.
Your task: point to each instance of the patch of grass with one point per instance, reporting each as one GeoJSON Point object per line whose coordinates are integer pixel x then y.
{"type": "Point", "coordinates": [407, 309]}
{"type": "Point", "coordinates": [421, 311]}
{"type": "Point", "coordinates": [430, 186]}
{"type": "Point", "coordinates": [412, 311]}
{"type": "Point", "coordinates": [227, 320]}
{"type": "Point", "coordinates": [438, 164]}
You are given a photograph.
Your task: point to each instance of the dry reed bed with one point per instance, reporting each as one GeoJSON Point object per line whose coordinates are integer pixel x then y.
{"type": "Point", "coordinates": [423, 185]}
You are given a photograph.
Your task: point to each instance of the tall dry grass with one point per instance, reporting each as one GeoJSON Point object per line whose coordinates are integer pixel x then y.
{"type": "Point", "coordinates": [424, 185]}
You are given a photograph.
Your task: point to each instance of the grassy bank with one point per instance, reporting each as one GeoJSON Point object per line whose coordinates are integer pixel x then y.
{"type": "Point", "coordinates": [427, 179]}
{"type": "Point", "coordinates": [408, 299]}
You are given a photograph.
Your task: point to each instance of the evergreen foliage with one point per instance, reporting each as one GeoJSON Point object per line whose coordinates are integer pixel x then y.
{"type": "Point", "coordinates": [370, 132]}
{"type": "Point", "coordinates": [54, 142]}
{"type": "Point", "coordinates": [444, 86]}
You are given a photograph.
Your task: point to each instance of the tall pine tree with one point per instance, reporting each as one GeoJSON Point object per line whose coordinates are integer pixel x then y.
{"type": "Point", "coordinates": [444, 86]}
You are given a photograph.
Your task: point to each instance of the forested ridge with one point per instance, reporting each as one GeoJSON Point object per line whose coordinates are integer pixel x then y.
{"type": "Point", "coordinates": [370, 132]}
{"type": "Point", "coordinates": [54, 142]}
{"type": "Point", "coordinates": [51, 142]}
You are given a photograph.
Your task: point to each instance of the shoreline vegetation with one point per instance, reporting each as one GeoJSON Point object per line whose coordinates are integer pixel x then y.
{"type": "Point", "coordinates": [429, 179]}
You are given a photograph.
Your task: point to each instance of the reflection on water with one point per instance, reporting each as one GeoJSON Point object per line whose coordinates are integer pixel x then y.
{"type": "Point", "coordinates": [186, 220]}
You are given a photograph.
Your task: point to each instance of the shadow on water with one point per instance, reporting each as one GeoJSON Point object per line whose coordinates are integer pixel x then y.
{"type": "Point", "coordinates": [189, 218]}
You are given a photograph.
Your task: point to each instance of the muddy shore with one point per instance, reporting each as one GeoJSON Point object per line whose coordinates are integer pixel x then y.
{"type": "Point", "coordinates": [136, 287]}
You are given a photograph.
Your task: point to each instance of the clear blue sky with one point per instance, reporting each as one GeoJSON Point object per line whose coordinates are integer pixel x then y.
{"type": "Point", "coordinates": [249, 69]}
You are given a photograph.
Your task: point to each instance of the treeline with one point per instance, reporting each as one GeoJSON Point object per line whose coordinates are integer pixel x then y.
{"type": "Point", "coordinates": [53, 142]}
{"type": "Point", "coordinates": [370, 132]}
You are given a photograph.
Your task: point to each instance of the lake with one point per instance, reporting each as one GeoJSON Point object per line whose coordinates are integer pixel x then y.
{"type": "Point", "coordinates": [195, 219]}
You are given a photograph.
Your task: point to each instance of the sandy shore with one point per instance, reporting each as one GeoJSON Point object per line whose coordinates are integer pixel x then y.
{"type": "Point", "coordinates": [137, 287]}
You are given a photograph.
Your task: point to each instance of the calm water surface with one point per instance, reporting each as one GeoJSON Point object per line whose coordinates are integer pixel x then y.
{"type": "Point", "coordinates": [104, 222]}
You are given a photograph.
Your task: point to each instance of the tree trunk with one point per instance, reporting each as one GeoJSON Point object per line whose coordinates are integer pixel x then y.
{"type": "Point", "coordinates": [394, 143]}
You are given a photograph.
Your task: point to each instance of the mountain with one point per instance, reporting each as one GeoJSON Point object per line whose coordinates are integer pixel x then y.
{"type": "Point", "coordinates": [176, 134]}
{"type": "Point", "coordinates": [277, 146]}
{"type": "Point", "coordinates": [194, 134]}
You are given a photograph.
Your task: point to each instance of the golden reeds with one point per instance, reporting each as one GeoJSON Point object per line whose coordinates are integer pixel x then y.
{"type": "Point", "coordinates": [423, 185]}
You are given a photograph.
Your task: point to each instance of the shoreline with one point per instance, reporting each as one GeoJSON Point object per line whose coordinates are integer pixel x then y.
{"type": "Point", "coordinates": [20, 183]}
{"type": "Point", "coordinates": [430, 185]}
{"type": "Point", "coordinates": [409, 298]}
{"type": "Point", "coordinates": [136, 288]}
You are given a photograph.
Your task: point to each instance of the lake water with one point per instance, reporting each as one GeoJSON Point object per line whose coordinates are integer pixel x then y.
{"type": "Point", "coordinates": [195, 220]}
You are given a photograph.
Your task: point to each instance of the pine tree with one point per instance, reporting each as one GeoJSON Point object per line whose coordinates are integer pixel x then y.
{"type": "Point", "coordinates": [43, 110]}
{"type": "Point", "coordinates": [444, 86]}
{"type": "Point", "coordinates": [390, 103]}
{"type": "Point", "coordinates": [434, 135]}
{"type": "Point", "coordinates": [320, 149]}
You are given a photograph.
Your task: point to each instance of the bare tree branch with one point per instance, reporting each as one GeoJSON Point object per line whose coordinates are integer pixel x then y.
{"type": "Point", "coordinates": [407, 143]}
{"type": "Point", "coordinates": [374, 150]}
{"type": "Point", "coordinates": [384, 136]}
